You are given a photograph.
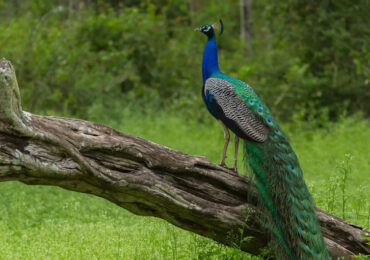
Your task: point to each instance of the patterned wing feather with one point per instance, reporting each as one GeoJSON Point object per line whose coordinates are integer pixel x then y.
{"type": "Point", "coordinates": [236, 115]}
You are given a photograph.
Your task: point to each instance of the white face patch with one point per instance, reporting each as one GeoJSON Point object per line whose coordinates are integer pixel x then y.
{"type": "Point", "coordinates": [207, 28]}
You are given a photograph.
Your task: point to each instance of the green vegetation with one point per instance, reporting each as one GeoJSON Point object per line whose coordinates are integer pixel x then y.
{"type": "Point", "coordinates": [50, 223]}
{"type": "Point", "coordinates": [309, 61]}
{"type": "Point", "coordinates": [136, 66]}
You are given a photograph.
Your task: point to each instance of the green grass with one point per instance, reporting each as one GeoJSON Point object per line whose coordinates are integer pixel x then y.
{"type": "Point", "coordinates": [38, 222]}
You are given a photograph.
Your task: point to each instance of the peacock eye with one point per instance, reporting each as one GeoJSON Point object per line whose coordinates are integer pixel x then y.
{"type": "Point", "coordinates": [206, 28]}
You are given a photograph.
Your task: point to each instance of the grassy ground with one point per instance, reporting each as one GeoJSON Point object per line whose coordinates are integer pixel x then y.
{"type": "Point", "coordinates": [51, 223]}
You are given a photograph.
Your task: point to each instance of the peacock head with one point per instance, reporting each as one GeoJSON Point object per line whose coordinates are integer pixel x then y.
{"type": "Point", "coordinates": [209, 29]}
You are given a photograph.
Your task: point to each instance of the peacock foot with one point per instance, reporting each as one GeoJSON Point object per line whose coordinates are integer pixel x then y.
{"type": "Point", "coordinates": [223, 164]}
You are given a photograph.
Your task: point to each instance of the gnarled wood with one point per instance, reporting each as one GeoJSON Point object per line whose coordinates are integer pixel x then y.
{"type": "Point", "coordinates": [140, 176]}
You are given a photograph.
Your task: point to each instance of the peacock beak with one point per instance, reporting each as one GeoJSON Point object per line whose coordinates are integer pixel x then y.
{"type": "Point", "coordinates": [197, 29]}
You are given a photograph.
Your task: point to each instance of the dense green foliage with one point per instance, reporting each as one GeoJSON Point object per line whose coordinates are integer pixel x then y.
{"type": "Point", "coordinates": [136, 66]}
{"type": "Point", "coordinates": [321, 53]}
{"type": "Point", "coordinates": [51, 223]}
{"type": "Point", "coordinates": [308, 61]}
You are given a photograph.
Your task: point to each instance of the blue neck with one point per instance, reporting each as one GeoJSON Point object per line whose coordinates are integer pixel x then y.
{"type": "Point", "coordinates": [210, 60]}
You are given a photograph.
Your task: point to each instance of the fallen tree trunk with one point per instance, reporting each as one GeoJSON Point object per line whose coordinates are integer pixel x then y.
{"type": "Point", "coordinates": [143, 177]}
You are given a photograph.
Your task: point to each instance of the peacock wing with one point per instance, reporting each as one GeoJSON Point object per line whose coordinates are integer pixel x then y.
{"type": "Point", "coordinates": [235, 113]}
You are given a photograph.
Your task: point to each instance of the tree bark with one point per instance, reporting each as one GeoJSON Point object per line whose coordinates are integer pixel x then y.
{"type": "Point", "coordinates": [245, 23]}
{"type": "Point", "coordinates": [143, 177]}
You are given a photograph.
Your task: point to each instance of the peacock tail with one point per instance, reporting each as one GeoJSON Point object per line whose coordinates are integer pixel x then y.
{"type": "Point", "coordinates": [280, 182]}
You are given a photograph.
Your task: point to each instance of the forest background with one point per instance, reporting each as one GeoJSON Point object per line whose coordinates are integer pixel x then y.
{"type": "Point", "coordinates": [136, 66]}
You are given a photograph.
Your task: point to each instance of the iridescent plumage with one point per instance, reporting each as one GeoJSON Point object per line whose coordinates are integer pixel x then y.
{"type": "Point", "coordinates": [286, 200]}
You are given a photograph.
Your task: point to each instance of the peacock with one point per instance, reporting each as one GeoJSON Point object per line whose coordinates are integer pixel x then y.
{"type": "Point", "coordinates": [284, 195]}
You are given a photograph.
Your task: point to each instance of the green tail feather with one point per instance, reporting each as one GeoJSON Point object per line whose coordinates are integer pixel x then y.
{"type": "Point", "coordinates": [285, 197]}
{"type": "Point", "coordinates": [284, 194]}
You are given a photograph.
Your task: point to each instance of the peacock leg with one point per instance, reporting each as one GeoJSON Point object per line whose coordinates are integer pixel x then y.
{"type": "Point", "coordinates": [227, 139]}
{"type": "Point", "coordinates": [236, 141]}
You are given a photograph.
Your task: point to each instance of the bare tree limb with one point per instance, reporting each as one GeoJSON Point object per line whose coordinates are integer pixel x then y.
{"type": "Point", "coordinates": [245, 23]}
{"type": "Point", "coordinates": [143, 177]}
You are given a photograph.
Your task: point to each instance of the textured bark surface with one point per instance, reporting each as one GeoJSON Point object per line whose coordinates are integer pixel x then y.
{"type": "Point", "coordinates": [143, 177]}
